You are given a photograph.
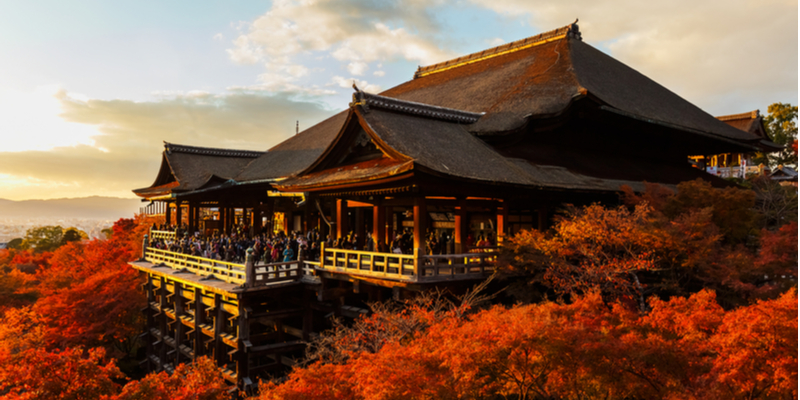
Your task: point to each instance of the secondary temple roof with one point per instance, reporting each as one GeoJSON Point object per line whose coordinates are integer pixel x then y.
{"type": "Point", "coordinates": [187, 168]}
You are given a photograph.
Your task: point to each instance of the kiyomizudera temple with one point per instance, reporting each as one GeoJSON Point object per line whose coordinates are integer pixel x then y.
{"type": "Point", "coordinates": [416, 187]}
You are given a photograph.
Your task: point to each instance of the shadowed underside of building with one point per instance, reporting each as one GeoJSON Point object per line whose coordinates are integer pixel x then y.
{"type": "Point", "coordinates": [484, 145]}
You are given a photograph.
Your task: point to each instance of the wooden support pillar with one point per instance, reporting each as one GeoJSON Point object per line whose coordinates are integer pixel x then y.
{"type": "Point", "coordinates": [221, 216]}
{"type": "Point", "coordinates": [257, 219]}
{"type": "Point", "coordinates": [461, 230]}
{"type": "Point", "coordinates": [243, 336]}
{"type": "Point", "coordinates": [151, 320]}
{"type": "Point", "coordinates": [167, 214]}
{"type": "Point", "coordinates": [162, 323]}
{"type": "Point", "coordinates": [420, 225]}
{"type": "Point", "coordinates": [178, 214]}
{"type": "Point", "coordinates": [389, 226]}
{"type": "Point", "coordinates": [179, 330]}
{"type": "Point", "coordinates": [288, 222]}
{"type": "Point", "coordinates": [341, 218]}
{"type": "Point", "coordinates": [379, 227]}
{"type": "Point", "coordinates": [190, 218]}
{"type": "Point", "coordinates": [219, 321]}
{"type": "Point", "coordinates": [360, 228]}
{"type": "Point", "coordinates": [307, 216]}
{"type": "Point", "coordinates": [502, 222]}
{"type": "Point", "coordinates": [199, 319]}
{"type": "Point", "coordinates": [270, 206]}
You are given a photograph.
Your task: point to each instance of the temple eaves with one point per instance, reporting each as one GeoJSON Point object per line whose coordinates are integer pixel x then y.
{"type": "Point", "coordinates": [210, 151]}
{"type": "Point", "coordinates": [367, 101]}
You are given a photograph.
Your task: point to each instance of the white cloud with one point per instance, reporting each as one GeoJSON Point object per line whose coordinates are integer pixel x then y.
{"type": "Point", "coordinates": [357, 68]}
{"type": "Point", "coordinates": [127, 138]}
{"type": "Point", "coordinates": [219, 37]}
{"type": "Point", "coordinates": [379, 73]}
{"type": "Point", "coordinates": [351, 32]}
{"type": "Point", "coordinates": [361, 84]}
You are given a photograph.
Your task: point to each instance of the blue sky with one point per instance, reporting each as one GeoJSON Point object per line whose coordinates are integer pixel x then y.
{"type": "Point", "coordinates": [90, 89]}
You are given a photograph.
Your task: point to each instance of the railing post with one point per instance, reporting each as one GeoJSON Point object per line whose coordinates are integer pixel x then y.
{"type": "Point", "coordinates": [145, 243]}
{"type": "Point", "coordinates": [416, 263]}
{"type": "Point", "coordinates": [322, 255]}
{"type": "Point", "coordinates": [250, 269]}
{"type": "Point", "coordinates": [300, 258]}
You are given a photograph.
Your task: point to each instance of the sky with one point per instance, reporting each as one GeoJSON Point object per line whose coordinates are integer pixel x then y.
{"type": "Point", "coordinates": [90, 90]}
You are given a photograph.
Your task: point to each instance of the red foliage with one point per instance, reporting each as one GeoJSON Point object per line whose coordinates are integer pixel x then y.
{"type": "Point", "coordinates": [200, 380]}
{"type": "Point", "coordinates": [685, 348]}
{"type": "Point", "coordinates": [60, 374]}
{"type": "Point", "coordinates": [90, 295]}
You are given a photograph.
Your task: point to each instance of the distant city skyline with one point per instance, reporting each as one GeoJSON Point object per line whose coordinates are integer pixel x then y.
{"type": "Point", "coordinates": [89, 90]}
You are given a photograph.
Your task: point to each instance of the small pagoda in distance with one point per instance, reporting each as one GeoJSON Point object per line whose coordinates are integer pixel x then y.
{"type": "Point", "coordinates": [468, 152]}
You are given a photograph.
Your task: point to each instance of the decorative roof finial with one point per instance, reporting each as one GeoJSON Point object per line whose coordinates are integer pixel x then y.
{"type": "Point", "coordinates": [358, 97]}
{"type": "Point", "coordinates": [574, 31]}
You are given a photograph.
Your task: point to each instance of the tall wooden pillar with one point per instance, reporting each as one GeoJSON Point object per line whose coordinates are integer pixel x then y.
{"type": "Point", "coordinates": [199, 319]}
{"type": "Point", "coordinates": [219, 321]}
{"type": "Point", "coordinates": [178, 214]}
{"type": "Point", "coordinates": [360, 231]}
{"type": "Point", "coordinates": [221, 216]}
{"type": "Point", "coordinates": [197, 217]}
{"type": "Point", "coordinates": [162, 323]}
{"type": "Point", "coordinates": [270, 216]}
{"type": "Point", "coordinates": [379, 227]}
{"type": "Point", "coordinates": [179, 329]}
{"type": "Point", "coordinates": [257, 220]}
{"type": "Point", "coordinates": [341, 218]}
{"type": "Point", "coordinates": [167, 214]}
{"type": "Point", "coordinates": [243, 337]}
{"type": "Point", "coordinates": [190, 217]}
{"type": "Point", "coordinates": [460, 236]}
{"type": "Point", "coordinates": [389, 217]}
{"type": "Point", "coordinates": [288, 222]}
{"type": "Point", "coordinates": [502, 221]}
{"type": "Point", "coordinates": [420, 225]}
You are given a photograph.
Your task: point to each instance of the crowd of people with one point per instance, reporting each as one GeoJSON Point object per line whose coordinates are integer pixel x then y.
{"type": "Point", "coordinates": [271, 247]}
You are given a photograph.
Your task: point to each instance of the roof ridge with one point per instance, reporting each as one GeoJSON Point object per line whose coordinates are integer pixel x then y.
{"type": "Point", "coordinates": [368, 100]}
{"type": "Point", "coordinates": [747, 115]}
{"type": "Point", "coordinates": [210, 151]}
{"type": "Point", "coordinates": [570, 30]}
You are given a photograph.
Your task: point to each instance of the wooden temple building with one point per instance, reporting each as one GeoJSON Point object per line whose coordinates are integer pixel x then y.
{"type": "Point", "coordinates": [483, 145]}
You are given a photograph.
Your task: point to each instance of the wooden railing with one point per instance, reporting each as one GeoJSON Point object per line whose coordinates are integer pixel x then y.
{"type": "Point", "coordinates": [163, 235]}
{"type": "Point", "coordinates": [237, 274]}
{"type": "Point", "coordinates": [222, 270]}
{"type": "Point", "coordinates": [407, 267]}
{"type": "Point", "coordinates": [457, 266]}
{"type": "Point", "coordinates": [399, 267]}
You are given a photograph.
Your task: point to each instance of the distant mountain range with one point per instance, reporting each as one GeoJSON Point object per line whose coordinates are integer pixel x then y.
{"type": "Point", "coordinates": [94, 207]}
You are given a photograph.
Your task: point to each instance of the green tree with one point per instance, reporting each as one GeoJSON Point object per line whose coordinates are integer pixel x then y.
{"type": "Point", "coordinates": [781, 125]}
{"type": "Point", "coordinates": [43, 238]}
{"type": "Point", "coordinates": [15, 244]}
{"type": "Point", "coordinates": [73, 235]}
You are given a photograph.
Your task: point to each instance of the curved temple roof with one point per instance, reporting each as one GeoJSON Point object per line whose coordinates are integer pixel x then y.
{"type": "Point", "coordinates": [187, 168]}
{"type": "Point", "coordinates": [440, 118]}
